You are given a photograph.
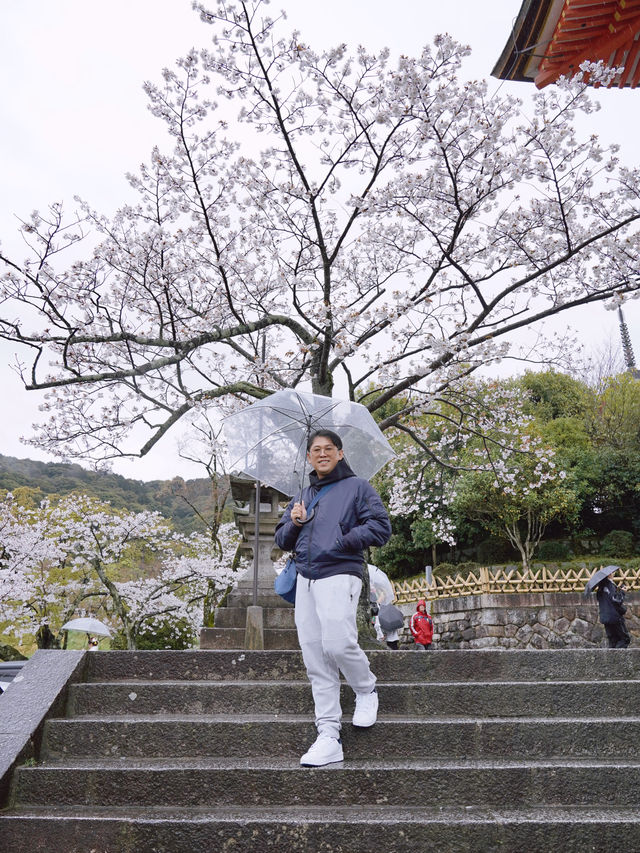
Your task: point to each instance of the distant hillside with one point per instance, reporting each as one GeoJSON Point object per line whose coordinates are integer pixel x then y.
{"type": "Point", "coordinates": [164, 496]}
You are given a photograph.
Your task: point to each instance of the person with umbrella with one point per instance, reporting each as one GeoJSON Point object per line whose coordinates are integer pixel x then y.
{"type": "Point", "coordinates": [328, 544]}
{"type": "Point", "coordinates": [386, 624]}
{"type": "Point", "coordinates": [610, 606]}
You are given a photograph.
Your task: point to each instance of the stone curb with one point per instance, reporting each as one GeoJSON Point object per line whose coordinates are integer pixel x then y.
{"type": "Point", "coordinates": [33, 695]}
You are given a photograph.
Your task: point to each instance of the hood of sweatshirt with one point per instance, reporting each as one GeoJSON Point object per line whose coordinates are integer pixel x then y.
{"type": "Point", "coordinates": [340, 472]}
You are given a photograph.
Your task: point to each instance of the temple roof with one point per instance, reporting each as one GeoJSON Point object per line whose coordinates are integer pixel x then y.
{"type": "Point", "coordinates": [553, 37]}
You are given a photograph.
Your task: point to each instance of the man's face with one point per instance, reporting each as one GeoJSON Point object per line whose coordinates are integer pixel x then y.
{"type": "Point", "coordinates": [323, 455]}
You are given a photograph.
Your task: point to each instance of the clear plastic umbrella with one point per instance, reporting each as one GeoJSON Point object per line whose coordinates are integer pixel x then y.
{"type": "Point", "coordinates": [268, 439]}
{"type": "Point", "coordinates": [381, 586]}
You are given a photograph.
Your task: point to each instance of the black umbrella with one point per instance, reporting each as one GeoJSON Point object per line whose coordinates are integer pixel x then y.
{"type": "Point", "coordinates": [598, 576]}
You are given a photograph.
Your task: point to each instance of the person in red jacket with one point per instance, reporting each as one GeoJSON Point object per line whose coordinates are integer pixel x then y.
{"type": "Point", "coordinates": [421, 626]}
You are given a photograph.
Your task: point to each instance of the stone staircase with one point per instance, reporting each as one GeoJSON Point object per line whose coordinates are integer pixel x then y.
{"type": "Point", "coordinates": [176, 752]}
{"type": "Point", "coordinates": [231, 619]}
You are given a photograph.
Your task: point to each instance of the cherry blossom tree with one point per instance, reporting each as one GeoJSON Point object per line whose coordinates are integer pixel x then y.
{"type": "Point", "coordinates": [39, 587]}
{"type": "Point", "coordinates": [356, 220]}
{"type": "Point", "coordinates": [489, 464]}
{"type": "Point", "coordinates": [520, 498]}
{"type": "Point", "coordinates": [81, 554]}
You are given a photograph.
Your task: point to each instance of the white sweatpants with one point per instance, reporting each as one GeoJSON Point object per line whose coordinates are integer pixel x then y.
{"type": "Point", "coordinates": [328, 636]}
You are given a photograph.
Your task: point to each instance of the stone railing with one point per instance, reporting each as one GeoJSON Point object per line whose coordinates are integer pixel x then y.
{"type": "Point", "coordinates": [501, 580]}
{"type": "Point", "coordinates": [524, 620]}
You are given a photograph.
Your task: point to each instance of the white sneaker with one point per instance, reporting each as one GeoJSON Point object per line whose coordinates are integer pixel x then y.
{"type": "Point", "coordinates": [325, 750]}
{"type": "Point", "coordinates": [366, 710]}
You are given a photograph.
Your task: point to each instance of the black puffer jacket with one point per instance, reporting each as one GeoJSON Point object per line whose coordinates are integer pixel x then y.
{"type": "Point", "coordinates": [349, 519]}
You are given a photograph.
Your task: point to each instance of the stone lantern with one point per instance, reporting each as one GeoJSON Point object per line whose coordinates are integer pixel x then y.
{"type": "Point", "coordinates": [253, 615]}
{"type": "Point", "coordinates": [243, 494]}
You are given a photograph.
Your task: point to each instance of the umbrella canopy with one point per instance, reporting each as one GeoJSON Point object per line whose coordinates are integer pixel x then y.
{"type": "Point", "coordinates": [268, 440]}
{"type": "Point", "coordinates": [391, 617]}
{"type": "Point", "coordinates": [598, 576]}
{"type": "Point", "coordinates": [89, 625]}
{"type": "Point", "coordinates": [381, 587]}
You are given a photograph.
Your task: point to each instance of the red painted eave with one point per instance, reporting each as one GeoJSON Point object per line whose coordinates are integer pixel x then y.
{"type": "Point", "coordinates": [551, 38]}
{"type": "Point", "coordinates": [569, 57]}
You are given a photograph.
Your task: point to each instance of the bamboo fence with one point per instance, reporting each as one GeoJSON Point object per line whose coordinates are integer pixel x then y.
{"type": "Point", "coordinates": [501, 580]}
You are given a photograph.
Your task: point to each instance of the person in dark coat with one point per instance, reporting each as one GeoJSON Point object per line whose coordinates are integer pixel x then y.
{"type": "Point", "coordinates": [611, 611]}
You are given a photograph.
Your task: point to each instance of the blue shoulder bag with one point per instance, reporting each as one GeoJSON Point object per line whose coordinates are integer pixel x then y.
{"type": "Point", "coordinates": [285, 582]}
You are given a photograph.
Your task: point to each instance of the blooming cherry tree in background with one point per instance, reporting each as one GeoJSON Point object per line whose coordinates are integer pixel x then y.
{"type": "Point", "coordinates": [356, 220]}
{"type": "Point", "coordinates": [78, 554]}
{"type": "Point", "coordinates": [38, 586]}
{"type": "Point", "coordinates": [520, 497]}
{"type": "Point", "coordinates": [486, 463]}
{"type": "Point", "coordinates": [185, 586]}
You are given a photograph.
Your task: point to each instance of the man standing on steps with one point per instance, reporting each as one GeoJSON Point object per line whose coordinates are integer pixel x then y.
{"type": "Point", "coordinates": [328, 544]}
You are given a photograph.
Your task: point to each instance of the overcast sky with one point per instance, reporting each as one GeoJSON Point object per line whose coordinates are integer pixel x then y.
{"type": "Point", "coordinates": [74, 117]}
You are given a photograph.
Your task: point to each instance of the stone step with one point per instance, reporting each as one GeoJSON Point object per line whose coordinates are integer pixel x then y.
{"type": "Point", "coordinates": [450, 699]}
{"type": "Point", "coordinates": [272, 617]}
{"type": "Point", "coordinates": [495, 784]}
{"type": "Point", "coordinates": [406, 666]}
{"type": "Point", "coordinates": [242, 596]}
{"type": "Point", "coordinates": [233, 638]}
{"type": "Point", "coordinates": [300, 829]}
{"type": "Point", "coordinates": [287, 737]}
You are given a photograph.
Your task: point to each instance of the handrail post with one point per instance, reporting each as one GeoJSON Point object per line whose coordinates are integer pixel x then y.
{"type": "Point", "coordinates": [485, 585]}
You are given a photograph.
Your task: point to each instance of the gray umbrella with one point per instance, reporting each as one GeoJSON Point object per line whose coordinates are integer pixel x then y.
{"type": "Point", "coordinates": [598, 576]}
{"type": "Point", "coordinates": [391, 617]}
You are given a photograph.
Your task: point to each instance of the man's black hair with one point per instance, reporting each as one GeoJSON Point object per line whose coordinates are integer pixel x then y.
{"type": "Point", "coordinates": [325, 433]}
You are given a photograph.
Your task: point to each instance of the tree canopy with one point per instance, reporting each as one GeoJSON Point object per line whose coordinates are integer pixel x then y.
{"type": "Point", "coordinates": [518, 459]}
{"type": "Point", "coordinates": [128, 568]}
{"type": "Point", "coordinates": [188, 505]}
{"type": "Point", "coordinates": [356, 220]}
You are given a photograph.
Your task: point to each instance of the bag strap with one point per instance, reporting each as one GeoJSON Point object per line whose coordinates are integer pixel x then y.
{"type": "Point", "coordinates": [322, 491]}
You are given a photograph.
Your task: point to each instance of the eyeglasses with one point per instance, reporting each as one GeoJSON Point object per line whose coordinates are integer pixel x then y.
{"type": "Point", "coordinates": [316, 450]}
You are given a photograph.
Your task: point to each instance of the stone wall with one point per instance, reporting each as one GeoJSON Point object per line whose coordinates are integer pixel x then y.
{"type": "Point", "coordinates": [523, 621]}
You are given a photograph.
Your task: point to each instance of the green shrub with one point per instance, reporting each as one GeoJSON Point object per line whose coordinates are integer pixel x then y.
{"type": "Point", "coordinates": [553, 550]}
{"type": "Point", "coordinates": [168, 634]}
{"type": "Point", "coordinates": [467, 567]}
{"type": "Point", "coordinates": [617, 543]}
{"type": "Point", "coordinates": [445, 570]}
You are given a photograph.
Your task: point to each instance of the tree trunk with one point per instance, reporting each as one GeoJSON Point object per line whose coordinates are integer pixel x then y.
{"type": "Point", "coordinates": [118, 604]}
{"type": "Point", "coordinates": [513, 535]}
{"type": "Point", "coordinates": [322, 386]}
{"type": "Point", "coordinates": [46, 639]}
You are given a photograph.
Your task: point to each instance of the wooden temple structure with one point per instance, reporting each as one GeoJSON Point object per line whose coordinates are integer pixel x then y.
{"type": "Point", "coordinates": [551, 38]}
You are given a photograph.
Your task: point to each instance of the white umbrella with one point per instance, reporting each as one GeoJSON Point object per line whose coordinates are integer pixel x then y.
{"type": "Point", "coordinates": [89, 625]}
